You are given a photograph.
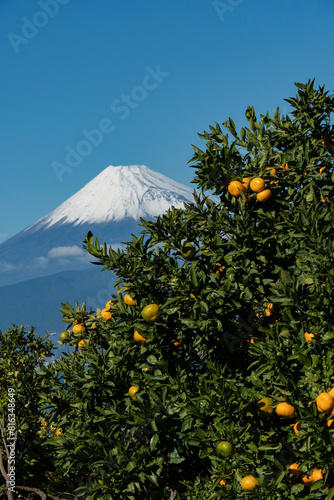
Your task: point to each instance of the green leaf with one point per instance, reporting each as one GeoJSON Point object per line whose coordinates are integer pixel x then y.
{"type": "Point", "coordinates": [154, 441]}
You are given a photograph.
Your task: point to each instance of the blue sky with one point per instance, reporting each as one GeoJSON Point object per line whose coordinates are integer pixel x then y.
{"type": "Point", "coordinates": [148, 76]}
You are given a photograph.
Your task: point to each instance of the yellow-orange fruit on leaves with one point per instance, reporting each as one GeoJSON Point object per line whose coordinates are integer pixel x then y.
{"type": "Point", "coordinates": [249, 483]}
{"type": "Point", "coordinates": [307, 480]}
{"type": "Point", "coordinates": [129, 300]}
{"type": "Point", "coordinates": [264, 195]}
{"type": "Point", "coordinates": [317, 474]}
{"type": "Point", "coordinates": [293, 469]}
{"type": "Point", "coordinates": [245, 182]}
{"type": "Point", "coordinates": [285, 410]}
{"type": "Point", "coordinates": [235, 187]}
{"type": "Point", "coordinates": [78, 328]}
{"type": "Point", "coordinates": [257, 184]}
{"type": "Point", "coordinates": [325, 403]}
{"type": "Point", "coordinates": [106, 315]}
{"type": "Point", "coordinates": [83, 344]}
{"type": "Point", "coordinates": [132, 391]}
{"type": "Point", "coordinates": [139, 338]}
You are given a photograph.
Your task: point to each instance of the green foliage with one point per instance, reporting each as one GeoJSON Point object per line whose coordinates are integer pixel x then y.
{"type": "Point", "coordinates": [23, 356]}
{"type": "Point", "coordinates": [217, 348]}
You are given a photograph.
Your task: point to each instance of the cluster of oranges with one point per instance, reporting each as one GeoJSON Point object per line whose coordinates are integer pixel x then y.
{"type": "Point", "coordinates": [325, 404]}
{"type": "Point", "coordinates": [221, 268]}
{"type": "Point", "coordinates": [257, 185]}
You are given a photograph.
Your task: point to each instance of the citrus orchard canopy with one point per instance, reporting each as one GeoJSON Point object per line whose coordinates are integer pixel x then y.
{"type": "Point", "coordinates": [213, 340]}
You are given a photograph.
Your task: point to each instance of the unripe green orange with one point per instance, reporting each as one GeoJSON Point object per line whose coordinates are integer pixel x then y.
{"type": "Point", "coordinates": [151, 313]}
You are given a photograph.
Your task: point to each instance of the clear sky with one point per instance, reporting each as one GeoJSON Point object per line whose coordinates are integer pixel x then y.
{"type": "Point", "coordinates": [88, 84]}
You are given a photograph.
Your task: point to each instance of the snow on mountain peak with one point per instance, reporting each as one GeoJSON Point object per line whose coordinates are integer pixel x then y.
{"type": "Point", "coordinates": [121, 192]}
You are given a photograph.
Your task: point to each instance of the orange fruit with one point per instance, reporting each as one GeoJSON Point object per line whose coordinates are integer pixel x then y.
{"type": "Point", "coordinates": [264, 195]}
{"type": "Point", "coordinates": [317, 474]}
{"type": "Point", "coordinates": [297, 427]}
{"type": "Point", "coordinates": [129, 300]}
{"type": "Point", "coordinates": [264, 408]}
{"type": "Point", "coordinates": [331, 392]}
{"type": "Point", "coordinates": [132, 391]}
{"type": "Point", "coordinates": [322, 169]}
{"type": "Point", "coordinates": [178, 342]}
{"type": "Point", "coordinates": [106, 315]}
{"type": "Point", "coordinates": [270, 309]}
{"type": "Point", "coordinates": [257, 184]}
{"type": "Point", "coordinates": [307, 480]}
{"type": "Point", "coordinates": [293, 469]}
{"type": "Point", "coordinates": [78, 328]}
{"type": "Point", "coordinates": [309, 336]}
{"type": "Point", "coordinates": [151, 313]}
{"type": "Point", "coordinates": [330, 421]}
{"type": "Point", "coordinates": [235, 187]}
{"type": "Point", "coordinates": [245, 182]}
{"type": "Point", "coordinates": [249, 483]}
{"type": "Point", "coordinates": [139, 338]}
{"type": "Point", "coordinates": [273, 171]}
{"type": "Point", "coordinates": [64, 336]}
{"type": "Point", "coordinates": [108, 305]}
{"type": "Point", "coordinates": [325, 403]}
{"type": "Point", "coordinates": [83, 344]}
{"type": "Point", "coordinates": [223, 482]}
{"type": "Point", "coordinates": [225, 449]}
{"type": "Point", "coordinates": [285, 167]}
{"type": "Point", "coordinates": [285, 410]}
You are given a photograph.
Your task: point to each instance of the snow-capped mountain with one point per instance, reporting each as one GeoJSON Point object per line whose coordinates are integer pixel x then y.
{"type": "Point", "coordinates": [110, 206]}
{"type": "Point", "coordinates": [118, 193]}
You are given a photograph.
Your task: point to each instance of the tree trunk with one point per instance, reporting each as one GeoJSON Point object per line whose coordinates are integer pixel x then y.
{"type": "Point", "coordinates": [173, 494]}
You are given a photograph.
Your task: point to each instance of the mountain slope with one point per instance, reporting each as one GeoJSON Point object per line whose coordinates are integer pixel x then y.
{"type": "Point", "coordinates": [110, 206]}
{"type": "Point", "coordinates": [37, 302]}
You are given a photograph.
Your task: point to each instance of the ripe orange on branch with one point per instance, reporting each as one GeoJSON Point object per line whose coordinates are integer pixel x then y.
{"type": "Point", "coordinates": [132, 391]}
{"type": "Point", "coordinates": [245, 182]}
{"type": "Point", "coordinates": [325, 403]}
{"type": "Point", "coordinates": [264, 195]}
{"type": "Point", "coordinates": [249, 483]}
{"type": "Point", "coordinates": [106, 315]}
{"type": "Point", "coordinates": [331, 392]}
{"type": "Point", "coordinates": [293, 469]}
{"type": "Point", "coordinates": [83, 343]}
{"type": "Point", "coordinates": [139, 338]}
{"type": "Point", "coordinates": [235, 187]}
{"type": "Point", "coordinates": [285, 410]}
{"type": "Point", "coordinates": [309, 336]}
{"type": "Point", "coordinates": [78, 328]}
{"type": "Point", "coordinates": [129, 300]}
{"type": "Point", "coordinates": [269, 309]}
{"type": "Point", "coordinates": [257, 184]}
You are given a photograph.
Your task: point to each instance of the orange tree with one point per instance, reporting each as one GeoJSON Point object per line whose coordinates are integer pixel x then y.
{"type": "Point", "coordinates": [25, 466]}
{"type": "Point", "coordinates": [205, 384]}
